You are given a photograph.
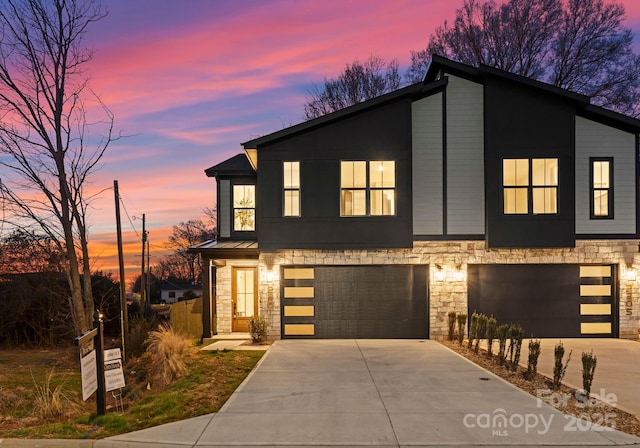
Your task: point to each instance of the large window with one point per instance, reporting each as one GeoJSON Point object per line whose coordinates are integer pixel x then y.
{"type": "Point", "coordinates": [367, 188]}
{"type": "Point", "coordinates": [530, 184]}
{"type": "Point", "coordinates": [291, 184]}
{"type": "Point", "coordinates": [244, 208]}
{"type": "Point", "coordinates": [601, 175]}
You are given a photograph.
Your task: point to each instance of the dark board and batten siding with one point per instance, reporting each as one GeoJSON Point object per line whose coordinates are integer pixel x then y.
{"type": "Point", "coordinates": [381, 133]}
{"type": "Point", "coordinates": [523, 122]}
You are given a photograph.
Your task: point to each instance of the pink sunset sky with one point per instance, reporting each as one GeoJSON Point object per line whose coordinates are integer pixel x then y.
{"type": "Point", "coordinates": [189, 81]}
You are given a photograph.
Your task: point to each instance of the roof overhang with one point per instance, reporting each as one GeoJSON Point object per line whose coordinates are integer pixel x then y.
{"type": "Point", "coordinates": [226, 250]}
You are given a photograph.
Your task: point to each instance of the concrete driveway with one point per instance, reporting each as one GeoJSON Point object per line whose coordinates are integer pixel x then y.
{"type": "Point", "coordinates": [617, 374]}
{"type": "Point", "coordinates": [373, 393]}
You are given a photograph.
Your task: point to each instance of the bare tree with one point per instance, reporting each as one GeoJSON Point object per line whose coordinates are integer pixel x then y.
{"type": "Point", "coordinates": [357, 83]}
{"type": "Point", "coordinates": [183, 236]}
{"type": "Point", "coordinates": [51, 140]}
{"type": "Point", "coordinates": [581, 46]}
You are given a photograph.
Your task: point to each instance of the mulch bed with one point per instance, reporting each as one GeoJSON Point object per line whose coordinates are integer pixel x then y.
{"type": "Point", "coordinates": [564, 399]}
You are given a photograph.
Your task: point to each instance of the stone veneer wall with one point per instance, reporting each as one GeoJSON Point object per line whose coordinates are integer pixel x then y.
{"type": "Point", "coordinates": [447, 262]}
{"type": "Point", "coordinates": [223, 293]}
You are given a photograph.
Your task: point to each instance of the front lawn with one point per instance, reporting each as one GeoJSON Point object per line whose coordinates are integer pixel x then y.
{"type": "Point", "coordinates": [212, 378]}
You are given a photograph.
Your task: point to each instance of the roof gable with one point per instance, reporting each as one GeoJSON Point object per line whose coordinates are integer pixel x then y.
{"type": "Point", "coordinates": [237, 165]}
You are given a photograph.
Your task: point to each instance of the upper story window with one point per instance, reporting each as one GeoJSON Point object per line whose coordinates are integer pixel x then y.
{"type": "Point", "coordinates": [367, 188]}
{"type": "Point", "coordinates": [530, 184]}
{"type": "Point", "coordinates": [244, 208]}
{"type": "Point", "coordinates": [601, 175]}
{"type": "Point", "coordinates": [291, 185]}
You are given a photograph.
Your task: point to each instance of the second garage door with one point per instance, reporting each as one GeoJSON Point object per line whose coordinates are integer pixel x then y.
{"type": "Point", "coordinates": [355, 301]}
{"type": "Point", "coordinates": [547, 300]}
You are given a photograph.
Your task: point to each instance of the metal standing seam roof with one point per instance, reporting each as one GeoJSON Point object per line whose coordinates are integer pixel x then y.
{"type": "Point", "coordinates": [214, 246]}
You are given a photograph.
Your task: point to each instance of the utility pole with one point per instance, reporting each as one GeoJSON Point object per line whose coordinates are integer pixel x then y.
{"type": "Point", "coordinates": [143, 288]}
{"type": "Point", "coordinates": [124, 318]}
{"type": "Point", "coordinates": [148, 282]}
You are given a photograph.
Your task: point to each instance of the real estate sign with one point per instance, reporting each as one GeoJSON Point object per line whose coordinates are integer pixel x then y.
{"type": "Point", "coordinates": [113, 374]}
{"type": "Point", "coordinates": [88, 369]}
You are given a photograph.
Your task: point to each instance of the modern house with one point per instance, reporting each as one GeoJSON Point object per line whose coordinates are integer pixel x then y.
{"type": "Point", "coordinates": [476, 190]}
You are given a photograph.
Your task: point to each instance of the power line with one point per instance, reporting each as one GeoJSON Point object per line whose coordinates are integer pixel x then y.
{"type": "Point", "coordinates": [129, 217]}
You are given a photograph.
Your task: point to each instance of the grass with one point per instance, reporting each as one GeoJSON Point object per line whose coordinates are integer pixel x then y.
{"type": "Point", "coordinates": [212, 378]}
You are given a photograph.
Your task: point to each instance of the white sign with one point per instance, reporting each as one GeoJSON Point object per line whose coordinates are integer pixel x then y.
{"type": "Point", "coordinates": [89, 374]}
{"type": "Point", "coordinates": [112, 354]}
{"type": "Point", "coordinates": [113, 374]}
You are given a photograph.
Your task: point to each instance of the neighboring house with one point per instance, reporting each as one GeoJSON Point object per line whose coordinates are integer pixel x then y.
{"type": "Point", "coordinates": [174, 291]}
{"type": "Point", "coordinates": [476, 190]}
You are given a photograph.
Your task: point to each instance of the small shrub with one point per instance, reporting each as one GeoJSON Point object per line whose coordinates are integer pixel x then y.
{"type": "Point", "coordinates": [502, 332]}
{"type": "Point", "coordinates": [452, 324]}
{"type": "Point", "coordinates": [165, 352]}
{"type": "Point", "coordinates": [589, 362]}
{"type": "Point", "coordinates": [481, 330]}
{"type": "Point", "coordinates": [532, 362]}
{"type": "Point", "coordinates": [473, 329]}
{"type": "Point", "coordinates": [258, 328]}
{"type": "Point", "coordinates": [490, 334]}
{"type": "Point", "coordinates": [558, 368]}
{"type": "Point", "coordinates": [517, 333]}
{"type": "Point", "coordinates": [462, 322]}
{"type": "Point", "coordinates": [51, 403]}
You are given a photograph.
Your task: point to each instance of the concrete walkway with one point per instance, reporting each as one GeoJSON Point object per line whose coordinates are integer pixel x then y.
{"type": "Point", "coordinates": [373, 393]}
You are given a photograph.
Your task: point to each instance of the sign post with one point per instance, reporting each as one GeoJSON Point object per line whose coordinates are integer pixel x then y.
{"type": "Point", "coordinates": [91, 346]}
{"type": "Point", "coordinates": [101, 397]}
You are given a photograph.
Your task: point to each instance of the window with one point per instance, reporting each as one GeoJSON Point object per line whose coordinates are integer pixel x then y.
{"type": "Point", "coordinates": [382, 183]}
{"type": "Point", "coordinates": [601, 188]}
{"type": "Point", "coordinates": [527, 189]}
{"type": "Point", "coordinates": [545, 186]}
{"type": "Point", "coordinates": [244, 208]}
{"type": "Point", "coordinates": [367, 188]}
{"type": "Point", "coordinates": [291, 184]}
{"type": "Point", "coordinates": [515, 179]}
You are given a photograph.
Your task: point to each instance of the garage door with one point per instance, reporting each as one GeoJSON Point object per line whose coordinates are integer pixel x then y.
{"type": "Point", "coordinates": [550, 300]}
{"type": "Point", "coordinates": [354, 302]}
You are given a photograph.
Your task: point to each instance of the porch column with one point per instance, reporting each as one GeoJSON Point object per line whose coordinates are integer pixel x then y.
{"type": "Point", "coordinates": [208, 299]}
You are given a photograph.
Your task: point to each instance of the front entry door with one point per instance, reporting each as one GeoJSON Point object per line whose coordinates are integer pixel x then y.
{"type": "Point", "coordinates": [245, 297]}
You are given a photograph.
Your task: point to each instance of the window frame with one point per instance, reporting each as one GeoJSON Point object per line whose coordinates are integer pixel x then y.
{"type": "Point", "coordinates": [234, 208]}
{"type": "Point", "coordinates": [593, 189]}
{"type": "Point", "coordinates": [530, 187]}
{"type": "Point", "coordinates": [368, 189]}
{"type": "Point", "coordinates": [286, 189]}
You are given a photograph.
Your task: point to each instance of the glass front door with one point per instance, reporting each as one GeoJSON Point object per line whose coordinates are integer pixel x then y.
{"type": "Point", "coordinates": [245, 297]}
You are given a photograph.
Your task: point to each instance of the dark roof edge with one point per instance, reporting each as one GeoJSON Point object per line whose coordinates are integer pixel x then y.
{"type": "Point", "coordinates": [610, 118]}
{"type": "Point", "coordinates": [328, 118]}
{"type": "Point", "coordinates": [535, 83]}
{"type": "Point", "coordinates": [237, 165]}
{"type": "Point", "coordinates": [439, 62]}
